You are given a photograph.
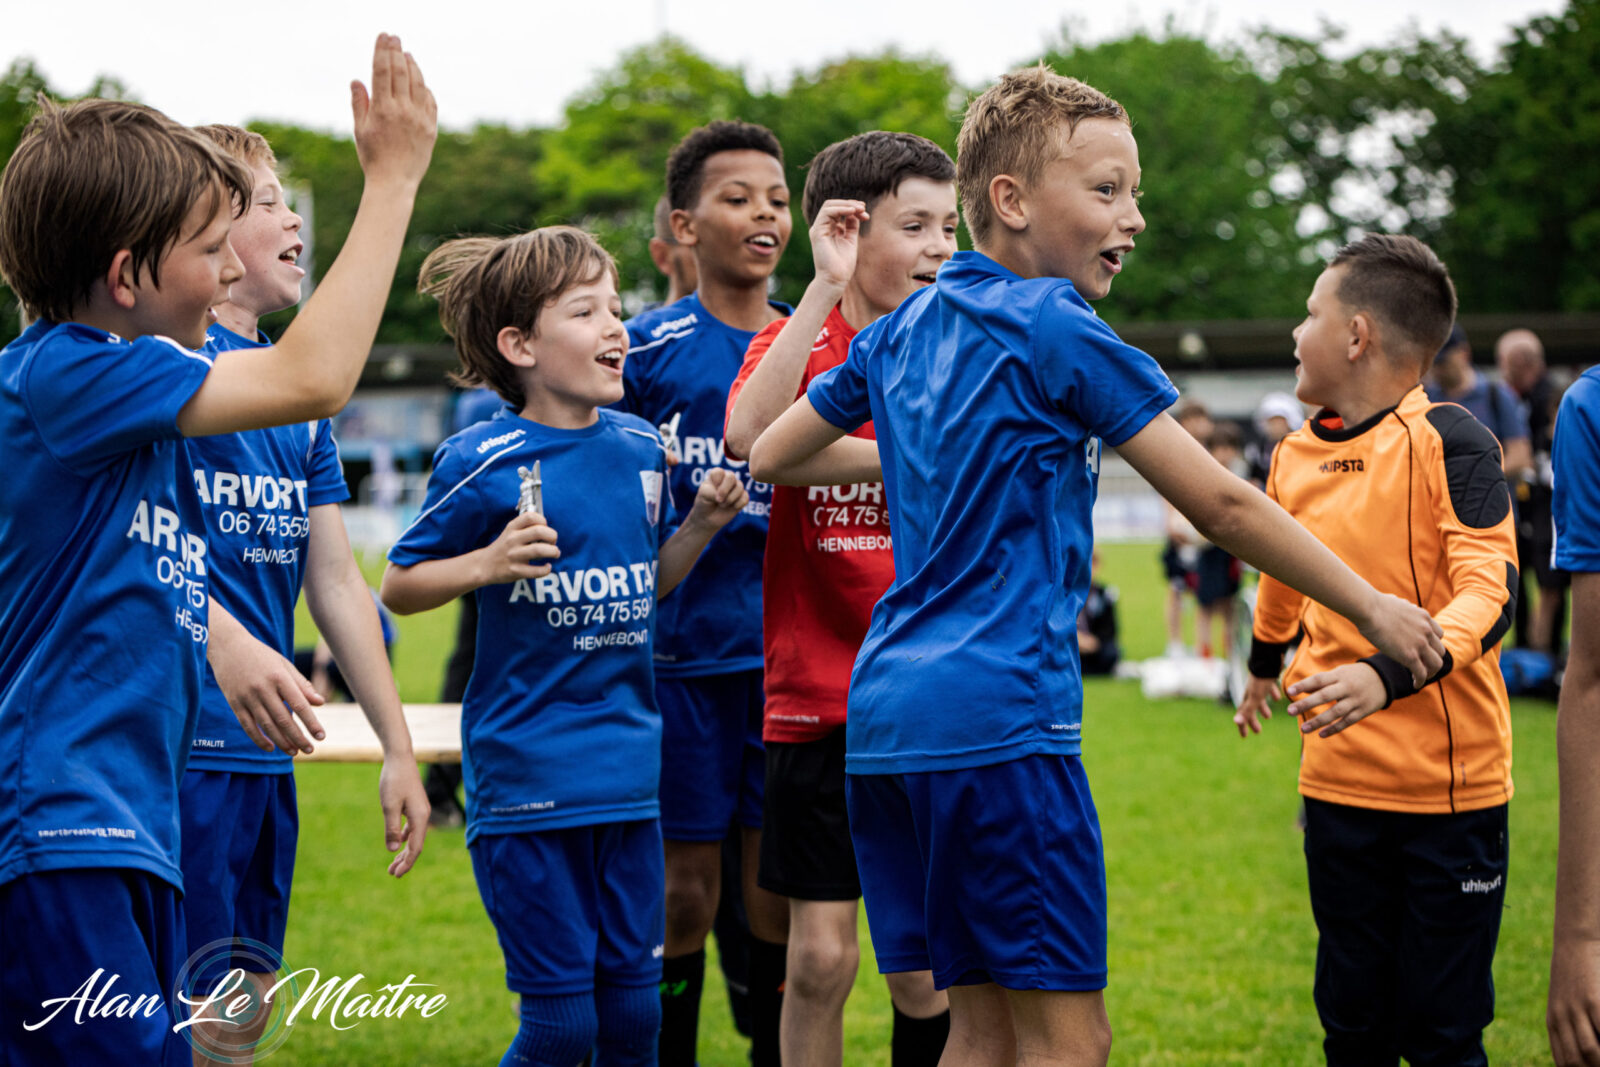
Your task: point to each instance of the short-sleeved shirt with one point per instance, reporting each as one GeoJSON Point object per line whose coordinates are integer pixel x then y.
{"type": "Point", "coordinates": [559, 725]}
{"type": "Point", "coordinates": [1491, 403]}
{"type": "Point", "coordinates": [1576, 495]}
{"type": "Point", "coordinates": [257, 489]}
{"type": "Point", "coordinates": [828, 561]}
{"type": "Point", "coordinates": [681, 362]}
{"type": "Point", "coordinates": [103, 599]}
{"type": "Point", "coordinates": [990, 394]}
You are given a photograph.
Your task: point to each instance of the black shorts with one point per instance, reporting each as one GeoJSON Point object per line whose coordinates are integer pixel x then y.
{"type": "Point", "coordinates": [806, 851]}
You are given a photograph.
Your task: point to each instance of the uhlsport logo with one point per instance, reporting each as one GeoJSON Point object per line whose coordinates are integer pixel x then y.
{"type": "Point", "coordinates": [651, 483]}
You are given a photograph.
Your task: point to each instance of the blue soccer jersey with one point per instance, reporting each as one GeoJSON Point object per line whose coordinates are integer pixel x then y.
{"type": "Point", "coordinates": [559, 725]}
{"type": "Point", "coordinates": [990, 394]}
{"type": "Point", "coordinates": [257, 488]}
{"type": "Point", "coordinates": [1576, 497]}
{"type": "Point", "coordinates": [681, 362]}
{"type": "Point", "coordinates": [103, 599]}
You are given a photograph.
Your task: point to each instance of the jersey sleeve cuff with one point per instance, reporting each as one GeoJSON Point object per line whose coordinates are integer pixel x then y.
{"type": "Point", "coordinates": [1397, 681]}
{"type": "Point", "coordinates": [1266, 658]}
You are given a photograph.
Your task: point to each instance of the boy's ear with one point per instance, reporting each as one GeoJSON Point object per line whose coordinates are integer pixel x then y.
{"type": "Point", "coordinates": [682, 226]}
{"type": "Point", "coordinates": [515, 346]}
{"type": "Point", "coordinates": [1362, 336]}
{"type": "Point", "coordinates": [119, 281]}
{"type": "Point", "coordinates": [1006, 197]}
{"type": "Point", "coordinates": [661, 255]}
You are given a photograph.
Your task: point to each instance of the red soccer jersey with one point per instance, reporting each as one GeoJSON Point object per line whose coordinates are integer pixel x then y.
{"type": "Point", "coordinates": [828, 561]}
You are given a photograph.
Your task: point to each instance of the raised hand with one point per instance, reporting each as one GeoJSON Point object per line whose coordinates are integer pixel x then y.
{"type": "Point", "coordinates": [835, 239]}
{"type": "Point", "coordinates": [397, 120]}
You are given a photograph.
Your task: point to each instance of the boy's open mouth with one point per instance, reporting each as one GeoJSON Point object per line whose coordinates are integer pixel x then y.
{"type": "Point", "coordinates": [925, 278]}
{"type": "Point", "coordinates": [611, 359]}
{"type": "Point", "coordinates": [1112, 258]}
{"type": "Point", "coordinates": [291, 255]}
{"type": "Point", "coordinates": [765, 242]}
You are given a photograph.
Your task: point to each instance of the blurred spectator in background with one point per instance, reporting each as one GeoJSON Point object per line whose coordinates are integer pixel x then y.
{"type": "Point", "coordinates": [1276, 416]}
{"type": "Point", "coordinates": [1098, 647]}
{"type": "Point", "coordinates": [672, 259]}
{"type": "Point", "coordinates": [1181, 555]}
{"type": "Point", "coordinates": [1454, 379]}
{"type": "Point", "coordinates": [1519, 355]}
{"type": "Point", "coordinates": [1216, 572]}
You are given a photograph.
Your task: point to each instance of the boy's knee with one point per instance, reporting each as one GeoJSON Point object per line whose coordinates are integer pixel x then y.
{"type": "Point", "coordinates": [691, 908]}
{"type": "Point", "coordinates": [914, 994]}
{"type": "Point", "coordinates": [822, 968]}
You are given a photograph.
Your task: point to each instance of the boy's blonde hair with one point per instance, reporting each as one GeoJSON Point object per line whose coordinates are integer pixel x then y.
{"type": "Point", "coordinates": [247, 146]}
{"type": "Point", "coordinates": [485, 284]}
{"type": "Point", "coordinates": [1015, 128]}
{"type": "Point", "coordinates": [90, 180]}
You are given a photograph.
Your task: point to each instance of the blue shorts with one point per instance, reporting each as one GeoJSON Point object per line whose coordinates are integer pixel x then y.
{"type": "Point", "coordinates": [239, 834]}
{"type": "Point", "coordinates": [576, 906]}
{"type": "Point", "coordinates": [57, 928]}
{"type": "Point", "coordinates": [986, 874]}
{"type": "Point", "coordinates": [713, 764]}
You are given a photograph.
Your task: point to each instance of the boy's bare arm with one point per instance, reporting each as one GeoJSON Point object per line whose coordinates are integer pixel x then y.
{"type": "Point", "coordinates": [524, 549]}
{"type": "Point", "coordinates": [718, 502]}
{"type": "Point", "coordinates": [313, 370]}
{"type": "Point", "coordinates": [264, 690]}
{"type": "Point", "coordinates": [774, 381]}
{"type": "Point", "coordinates": [341, 606]}
{"type": "Point", "coordinates": [803, 448]}
{"type": "Point", "coordinates": [1232, 514]}
{"type": "Point", "coordinates": [1573, 1013]}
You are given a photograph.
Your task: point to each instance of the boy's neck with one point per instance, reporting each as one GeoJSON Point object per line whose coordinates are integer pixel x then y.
{"type": "Point", "coordinates": [1361, 399]}
{"type": "Point", "coordinates": [857, 310]}
{"type": "Point", "coordinates": [744, 307]}
{"type": "Point", "coordinates": [548, 411]}
{"type": "Point", "coordinates": [239, 320]}
{"type": "Point", "coordinates": [1013, 255]}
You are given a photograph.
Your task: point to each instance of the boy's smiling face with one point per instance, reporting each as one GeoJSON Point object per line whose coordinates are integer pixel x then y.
{"type": "Point", "coordinates": [740, 222]}
{"type": "Point", "coordinates": [196, 273]}
{"type": "Point", "coordinates": [577, 351]}
{"type": "Point", "coordinates": [1084, 207]}
{"type": "Point", "coordinates": [266, 237]}
{"type": "Point", "coordinates": [912, 232]}
{"type": "Point", "coordinates": [1322, 342]}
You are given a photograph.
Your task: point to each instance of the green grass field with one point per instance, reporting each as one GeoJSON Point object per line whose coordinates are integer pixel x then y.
{"type": "Point", "coordinates": [1211, 935]}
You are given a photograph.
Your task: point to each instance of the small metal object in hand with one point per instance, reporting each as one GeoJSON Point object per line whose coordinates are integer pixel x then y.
{"type": "Point", "coordinates": [532, 496]}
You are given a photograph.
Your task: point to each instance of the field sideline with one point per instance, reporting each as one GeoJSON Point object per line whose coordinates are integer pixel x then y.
{"type": "Point", "coordinates": [1212, 940]}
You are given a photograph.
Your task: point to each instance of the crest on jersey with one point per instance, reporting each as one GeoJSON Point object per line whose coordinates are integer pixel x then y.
{"type": "Point", "coordinates": [651, 481]}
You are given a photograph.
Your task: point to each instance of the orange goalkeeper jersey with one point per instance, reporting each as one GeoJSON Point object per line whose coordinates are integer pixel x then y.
{"type": "Point", "coordinates": [1415, 502]}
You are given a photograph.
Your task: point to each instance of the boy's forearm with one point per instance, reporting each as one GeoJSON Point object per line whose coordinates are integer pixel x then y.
{"type": "Point", "coordinates": [1577, 747]}
{"type": "Point", "coordinates": [341, 606]}
{"type": "Point", "coordinates": [679, 554]}
{"type": "Point", "coordinates": [803, 448]}
{"type": "Point", "coordinates": [775, 381]}
{"type": "Point", "coordinates": [431, 583]}
{"type": "Point", "coordinates": [1234, 515]}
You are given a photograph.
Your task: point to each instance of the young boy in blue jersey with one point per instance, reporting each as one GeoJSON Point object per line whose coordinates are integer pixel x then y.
{"type": "Point", "coordinates": [271, 503]}
{"type": "Point", "coordinates": [882, 210]}
{"type": "Point", "coordinates": [991, 392]}
{"type": "Point", "coordinates": [560, 736]}
{"type": "Point", "coordinates": [114, 225]}
{"type": "Point", "coordinates": [730, 208]}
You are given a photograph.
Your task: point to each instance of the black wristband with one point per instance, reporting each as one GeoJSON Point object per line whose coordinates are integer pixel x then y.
{"type": "Point", "coordinates": [1266, 658]}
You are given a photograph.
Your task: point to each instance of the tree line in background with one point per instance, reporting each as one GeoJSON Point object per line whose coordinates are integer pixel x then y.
{"type": "Point", "coordinates": [1260, 156]}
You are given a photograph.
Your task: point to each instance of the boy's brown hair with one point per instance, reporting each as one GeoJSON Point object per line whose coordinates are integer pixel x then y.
{"type": "Point", "coordinates": [1015, 128]}
{"type": "Point", "coordinates": [92, 179]}
{"type": "Point", "coordinates": [1406, 286]}
{"type": "Point", "coordinates": [247, 146]}
{"type": "Point", "coordinates": [485, 284]}
{"type": "Point", "coordinates": [869, 167]}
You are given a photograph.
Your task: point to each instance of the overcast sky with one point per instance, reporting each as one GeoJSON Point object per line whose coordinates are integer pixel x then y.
{"type": "Point", "coordinates": [518, 61]}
